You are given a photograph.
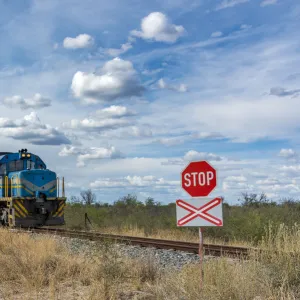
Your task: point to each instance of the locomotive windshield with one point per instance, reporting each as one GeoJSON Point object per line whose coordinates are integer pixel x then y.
{"type": "Point", "coordinates": [15, 165]}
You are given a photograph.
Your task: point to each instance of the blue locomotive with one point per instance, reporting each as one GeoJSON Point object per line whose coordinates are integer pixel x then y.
{"type": "Point", "coordinates": [29, 192]}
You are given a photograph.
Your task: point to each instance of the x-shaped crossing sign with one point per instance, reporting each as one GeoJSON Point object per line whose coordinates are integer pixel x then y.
{"type": "Point", "coordinates": [201, 212]}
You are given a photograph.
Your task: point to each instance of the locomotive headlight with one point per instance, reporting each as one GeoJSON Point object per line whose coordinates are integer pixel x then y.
{"type": "Point", "coordinates": [28, 155]}
{"type": "Point", "coordinates": [23, 155]}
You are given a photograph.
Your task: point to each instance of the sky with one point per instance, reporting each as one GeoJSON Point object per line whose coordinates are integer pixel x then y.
{"type": "Point", "coordinates": [119, 96]}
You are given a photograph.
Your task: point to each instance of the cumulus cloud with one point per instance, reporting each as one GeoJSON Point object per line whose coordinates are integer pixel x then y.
{"type": "Point", "coordinates": [281, 92]}
{"type": "Point", "coordinates": [96, 124]}
{"type": "Point", "coordinates": [230, 3]}
{"type": "Point", "coordinates": [80, 41]}
{"type": "Point", "coordinates": [180, 88]}
{"type": "Point", "coordinates": [156, 26]}
{"type": "Point", "coordinates": [92, 153]}
{"type": "Point", "coordinates": [118, 79]}
{"type": "Point", "coordinates": [32, 130]}
{"type": "Point", "coordinates": [114, 111]}
{"type": "Point", "coordinates": [71, 150]}
{"type": "Point", "coordinates": [134, 181]}
{"type": "Point", "coordinates": [268, 2]}
{"type": "Point", "coordinates": [36, 102]}
{"type": "Point", "coordinates": [104, 119]}
{"type": "Point", "coordinates": [193, 155]}
{"type": "Point", "coordinates": [291, 170]}
{"type": "Point", "coordinates": [288, 153]}
{"type": "Point", "coordinates": [216, 34]}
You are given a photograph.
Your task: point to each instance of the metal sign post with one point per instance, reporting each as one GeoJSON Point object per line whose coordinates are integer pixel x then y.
{"type": "Point", "coordinates": [199, 179]}
{"type": "Point", "coordinates": [201, 255]}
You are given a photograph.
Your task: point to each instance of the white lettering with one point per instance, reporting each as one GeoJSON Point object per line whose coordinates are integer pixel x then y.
{"type": "Point", "coordinates": [187, 178]}
{"type": "Point", "coordinates": [194, 178]}
{"type": "Point", "coordinates": [210, 176]}
{"type": "Point", "coordinates": [201, 178]}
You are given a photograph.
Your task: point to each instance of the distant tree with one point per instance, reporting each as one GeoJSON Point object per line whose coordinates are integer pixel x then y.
{"type": "Point", "coordinates": [74, 199]}
{"type": "Point", "coordinates": [150, 202]}
{"type": "Point", "coordinates": [128, 201]}
{"type": "Point", "coordinates": [88, 197]}
{"type": "Point", "coordinates": [254, 199]}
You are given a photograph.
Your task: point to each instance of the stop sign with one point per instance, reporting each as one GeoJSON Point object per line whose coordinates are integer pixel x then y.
{"type": "Point", "coordinates": [198, 179]}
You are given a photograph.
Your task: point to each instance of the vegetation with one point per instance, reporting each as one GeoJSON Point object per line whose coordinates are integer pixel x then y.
{"type": "Point", "coordinates": [41, 267]}
{"type": "Point", "coordinates": [243, 223]}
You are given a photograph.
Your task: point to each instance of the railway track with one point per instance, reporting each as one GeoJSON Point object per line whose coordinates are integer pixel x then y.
{"type": "Point", "coordinates": [209, 249]}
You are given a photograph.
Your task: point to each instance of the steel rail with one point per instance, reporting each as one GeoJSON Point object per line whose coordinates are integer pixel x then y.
{"type": "Point", "coordinates": [210, 249]}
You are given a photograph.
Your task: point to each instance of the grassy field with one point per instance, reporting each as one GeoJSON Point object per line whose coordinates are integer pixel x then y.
{"type": "Point", "coordinates": [44, 268]}
{"type": "Point", "coordinates": [243, 225]}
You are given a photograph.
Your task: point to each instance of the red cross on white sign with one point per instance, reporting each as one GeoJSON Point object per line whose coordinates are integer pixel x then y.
{"type": "Point", "coordinates": [201, 212]}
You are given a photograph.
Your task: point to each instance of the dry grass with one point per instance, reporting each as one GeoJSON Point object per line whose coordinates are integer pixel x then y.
{"type": "Point", "coordinates": [42, 268]}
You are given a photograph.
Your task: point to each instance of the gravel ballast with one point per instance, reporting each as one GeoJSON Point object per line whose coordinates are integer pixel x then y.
{"type": "Point", "coordinates": [162, 257]}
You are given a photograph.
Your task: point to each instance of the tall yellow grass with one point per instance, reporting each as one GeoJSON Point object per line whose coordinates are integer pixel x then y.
{"type": "Point", "coordinates": [43, 268]}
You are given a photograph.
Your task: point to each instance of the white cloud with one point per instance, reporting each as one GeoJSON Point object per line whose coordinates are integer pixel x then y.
{"type": "Point", "coordinates": [106, 119]}
{"type": "Point", "coordinates": [157, 26]}
{"type": "Point", "coordinates": [181, 139]}
{"type": "Point", "coordinates": [70, 150]}
{"type": "Point", "coordinates": [114, 111]}
{"type": "Point", "coordinates": [230, 3]}
{"type": "Point", "coordinates": [92, 153]}
{"type": "Point", "coordinates": [134, 181]}
{"type": "Point", "coordinates": [180, 88]}
{"type": "Point", "coordinates": [236, 179]}
{"type": "Point", "coordinates": [293, 170]}
{"type": "Point", "coordinates": [268, 181]}
{"type": "Point", "coordinates": [140, 131]}
{"type": "Point", "coordinates": [236, 183]}
{"type": "Point", "coordinates": [268, 2]}
{"type": "Point", "coordinates": [96, 124]}
{"type": "Point", "coordinates": [118, 79]}
{"type": "Point", "coordinates": [193, 155]}
{"type": "Point", "coordinates": [116, 52]}
{"type": "Point", "coordinates": [288, 153]}
{"type": "Point", "coordinates": [243, 186]}
{"type": "Point", "coordinates": [36, 102]}
{"type": "Point", "coordinates": [171, 141]}
{"type": "Point", "coordinates": [80, 41]}
{"type": "Point", "coordinates": [216, 34]}
{"type": "Point", "coordinates": [32, 130]}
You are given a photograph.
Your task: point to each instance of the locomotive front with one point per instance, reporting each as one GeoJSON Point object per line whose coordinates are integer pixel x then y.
{"type": "Point", "coordinates": [30, 192]}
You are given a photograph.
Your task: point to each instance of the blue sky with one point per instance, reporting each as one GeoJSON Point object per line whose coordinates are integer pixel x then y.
{"type": "Point", "coordinates": [119, 97]}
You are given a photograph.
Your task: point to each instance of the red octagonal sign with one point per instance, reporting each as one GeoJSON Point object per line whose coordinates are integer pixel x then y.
{"type": "Point", "coordinates": [198, 179]}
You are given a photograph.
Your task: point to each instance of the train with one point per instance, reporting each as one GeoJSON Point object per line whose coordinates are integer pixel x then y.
{"type": "Point", "coordinates": [29, 192]}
